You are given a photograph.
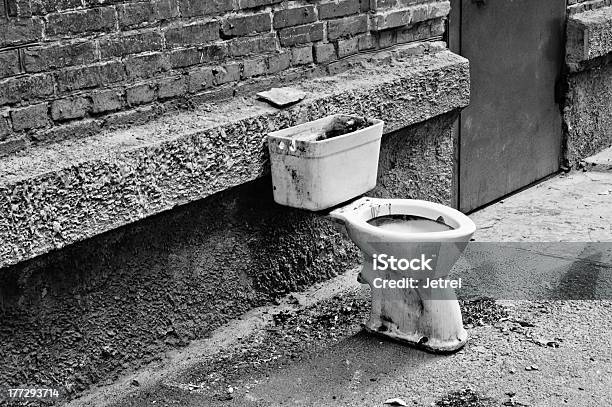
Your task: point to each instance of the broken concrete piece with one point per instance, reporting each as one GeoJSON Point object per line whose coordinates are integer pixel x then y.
{"type": "Point", "coordinates": [282, 97]}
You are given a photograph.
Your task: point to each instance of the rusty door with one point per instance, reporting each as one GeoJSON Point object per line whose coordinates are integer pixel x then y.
{"type": "Point", "coordinates": [511, 134]}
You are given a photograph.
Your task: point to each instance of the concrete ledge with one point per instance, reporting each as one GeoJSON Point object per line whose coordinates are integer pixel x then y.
{"type": "Point", "coordinates": [589, 36]}
{"type": "Point", "coordinates": [63, 193]}
{"type": "Point", "coordinates": [601, 162]}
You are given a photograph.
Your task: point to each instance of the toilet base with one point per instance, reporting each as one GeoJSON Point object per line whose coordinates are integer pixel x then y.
{"type": "Point", "coordinates": [416, 341]}
{"type": "Point", "coordinates": [428, 319]}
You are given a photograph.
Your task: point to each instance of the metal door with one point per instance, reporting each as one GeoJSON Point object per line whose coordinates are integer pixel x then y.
{"type": "Point", "coordinates": [511, 134]}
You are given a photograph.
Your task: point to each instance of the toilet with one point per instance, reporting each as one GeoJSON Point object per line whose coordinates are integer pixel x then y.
{"type": "Point", "coordinates": [424, 317]}
{"type": "Point", "coordinates": [413, 300]}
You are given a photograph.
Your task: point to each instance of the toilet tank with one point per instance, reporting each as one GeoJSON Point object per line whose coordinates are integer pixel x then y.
{"type": "Point", "coordinates": [322, 163]}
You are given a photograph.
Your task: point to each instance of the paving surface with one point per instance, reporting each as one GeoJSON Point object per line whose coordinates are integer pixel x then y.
{"type": "Point", "coordinates": [310, 349]}
{"type": "Point", "coordinates": [601, 162]}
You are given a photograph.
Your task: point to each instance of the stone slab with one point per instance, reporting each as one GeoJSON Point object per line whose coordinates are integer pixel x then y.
{"type": "Point", "coordinates": [63, 193]}
{"type": "Point", "coordinates": [589, 35]}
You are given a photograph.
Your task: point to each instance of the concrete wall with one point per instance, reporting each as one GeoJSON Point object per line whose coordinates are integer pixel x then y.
{"type": "Point", "coordinates": [588, 113]}
{"type": "Point", "coordinates": [63, 62]}
{"type": "Point", "coordinates": [84, 314]}
{"type": "Point", "coordinates": [587, 109]}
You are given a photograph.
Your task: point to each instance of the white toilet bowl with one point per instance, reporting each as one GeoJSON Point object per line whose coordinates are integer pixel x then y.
{"type": "Point", "coordinates": [421, 315]}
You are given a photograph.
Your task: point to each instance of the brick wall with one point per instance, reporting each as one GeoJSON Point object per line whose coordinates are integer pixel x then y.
{"type": "Point", "coordinates": [69, 68]}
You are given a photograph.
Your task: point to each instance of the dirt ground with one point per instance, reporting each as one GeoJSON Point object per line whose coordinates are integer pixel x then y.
{"type": "Point", "coordinates": [310, 350]}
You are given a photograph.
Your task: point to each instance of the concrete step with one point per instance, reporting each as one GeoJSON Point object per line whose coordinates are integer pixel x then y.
{"type": "Point", "coordinates": [601, 162]}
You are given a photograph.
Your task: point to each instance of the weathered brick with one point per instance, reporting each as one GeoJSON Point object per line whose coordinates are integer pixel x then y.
{"type": "Point", "coordinates": [193, 8]}
{"type": "Point", "coordinates": [131, 44]}
{"type": "Point", "coordinates": [165, 9]}
{"type": "Point", "coordinates": [244, 4]}
{"type": "Point", "coordinates": [417, 32]}
{"type": "Point", "coordinates": [5, 128]}
{"type": "Point", "coordinates": [405, 35]}
{"type": "Point", "coordinates": [438, 9]}
{"type": "Point", "coordinates": [254, 67]}
{"type": "Point", "coordinates": [252, 45]}
{"type": "Point", "coordinates": [367, 42]}
{"type": "Point", "coordinates": [136, 14]}
{"type": "Point", "coordinates": [227, 73]}
{"type": "Point", "coordinates": [31, 117]}
{"type": "Point", "coordinates": [107, 101]}
{"type": "Point", "coordinates": [25, 88]}
{"type": "Point", "coordinates": [70, 108]}
{"type": "Point", "coordinates": [324, 52]}
{"type": "Point", "coordinates": [90, 76]}
{"type": "Point", "coordinates": [198, 33]}
{"type": "Point", "coordinates": [71, 131]}
{"type": "Point", "coordinates": [364, 6]}
{"type": "Point", "coordinates": [201, 78]}
{"type": "Point", "coordinates": [387, 38]}
{"type": "Point", "coordinates": [214, 52]}
{"type": "Point", "coordinates": [130, 117]}
{"type": "Point", "coordinates": [19, 8]}
{"type": "Point", "coordinates": [172, 87]}
{"type": "Point", "coordinates": [81, 21]}
{"type": "Point", "coordinates": [339, 9]}
{"type": "Point", "coordinates": [348, 47]}
{"type": "Point", "coordinates": [47, 57]}
{"type": "Point", "coordinates": [279, 62]}
{"type": "Point", "coordinates": [12, 146]}
{"type": "Point", "coordinates": [17, 32]}
{"type": "Point", "coordinates": [185, 57]}
{"type": "Point", "coordinates": [301, 55]}
{"type": "Point", "coordinates": [9, 63]}
{"type": "Point", "coordinates": [42, 7]}
{"type": "Point", "coordinates": [301, 34]}
{"type": "Point", "coordinates": [346, 27]}
{"type": "Point", "coordinates": [384, 4]}
{"type": "Point", "coordinates": [243, 25]}
{"type": "Point", "coordinates": [145, 66]}
{"type": "Point", "coordinates": [139, 94]}
{"type": "Point", "coordinates": [410, 15]}
{"type": "Point", "coordinates": [436, 27]}
{"type": "Point", "coordinates": [294, 16]}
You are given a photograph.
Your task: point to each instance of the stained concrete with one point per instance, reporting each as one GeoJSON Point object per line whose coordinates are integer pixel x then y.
{"type": "Point", "coordinates": [96, 309]}
{"type": "Point", "coordinates": [573, 207]}
{"type": "Point", "coordinates": [587, 113]}
{"type": "Point", "coordinates": [67, 192]}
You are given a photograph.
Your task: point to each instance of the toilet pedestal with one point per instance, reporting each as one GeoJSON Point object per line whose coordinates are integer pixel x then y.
{"type": "Point", "coordinates": [426, 318]}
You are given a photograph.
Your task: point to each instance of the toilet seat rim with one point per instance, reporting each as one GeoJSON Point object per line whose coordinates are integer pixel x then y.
{"type": "Point", "coordinates": [361, 212]}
